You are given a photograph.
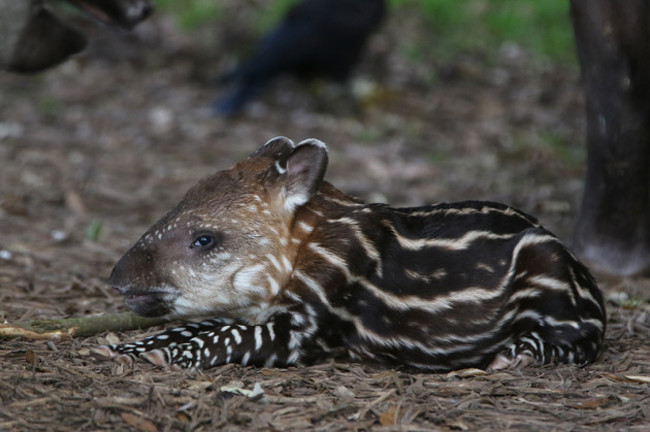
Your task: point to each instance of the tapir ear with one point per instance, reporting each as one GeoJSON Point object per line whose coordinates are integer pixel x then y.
{"type": "Point", "coordinates": [303, 172]}
{"type": "Point", "coordinates": [278, 148]}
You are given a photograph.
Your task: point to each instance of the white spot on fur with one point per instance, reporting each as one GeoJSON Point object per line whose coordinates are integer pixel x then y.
{"type": "Point", "coordinates": [271, 361]}
{"type": "Point", "coordinates": [237, 336]}
{"type": "Point", "coordinates": [294, 341]}
{"type": "Point", "coordinates": [273, 285]}
{"type": "Point", "coordinates": [274, 261]}
{"type": "Point", "coordinates": [198, 341]}
{"type": "Point", "coordinates": [228, 353]}
{"type": "Point", "coordinates": [287, 264]}
{"type": "Point", "coordinates": [246, 279]}
{"type": "Point", "coordinates": [258, 338]}
{"type": "Point", "coordinates": [297, 319]}
{"type": "Point", "coordinates": [269, 327]}
{"type": "Point", "coordinates": [293, 357]}
{"type": "Point", "coordinates": [294, 201]}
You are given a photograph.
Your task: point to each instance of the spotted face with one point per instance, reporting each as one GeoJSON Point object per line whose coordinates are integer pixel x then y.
{"type": "Point", "coordinates": [227, 246]}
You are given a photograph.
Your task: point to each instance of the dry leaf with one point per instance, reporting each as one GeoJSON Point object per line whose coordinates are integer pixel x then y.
{"type": "Point", "coordinates": [458, 424]}
{"type": "Point", "coordinates": [112, 338]}
{"type": "Point", "coordinates": [465, 373]}
{"type": "Point", "coordinates": [627, 378]}
{"type": "Point", "coordinates": [638, 378]}
{"type": "Point", "coordinates": [383, 375]}
{"type": "Point", "coordinates": [342, 391]}
{"type": "Point", "coordinates": [591, 403]}
{"type": "Point", "coordinates": [30, 357]}
{"type": "Point", "coordinates": [237, 387]}
{"type": "Point", "coordinates": [139, 423]}
{"type": "Point", "coordinates": [199, 385]}
{"type": "Point", "coordinates": [387, 418]}
{"type": "Point", "coordinates": [182, 417]}
{"type": "Point", "coordinates": [614, 377]}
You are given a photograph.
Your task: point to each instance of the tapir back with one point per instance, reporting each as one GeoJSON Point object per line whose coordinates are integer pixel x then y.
{"type": "Point", "coordinates": [443, 286]}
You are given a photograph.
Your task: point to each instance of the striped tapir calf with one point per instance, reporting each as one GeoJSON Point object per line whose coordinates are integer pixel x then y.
{"type": "Point", "coordinates": [292, 270]}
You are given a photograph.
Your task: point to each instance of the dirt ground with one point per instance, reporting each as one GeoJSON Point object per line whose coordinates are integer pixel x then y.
{"type": "Point", "coordinates": [92, 153]}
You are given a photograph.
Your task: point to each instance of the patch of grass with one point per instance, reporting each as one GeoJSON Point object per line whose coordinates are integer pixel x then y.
{"type": "Point", "coordinates": [94, 230]}
{"type": "Point", "coordinates": [544, 27]}
{"type": "Point", "coordinates": [439, 157]}
{"type": "Point", "coordinates": [458, 27]}
{"type": "Point", "coordinates": [542, 145]}
{"type": "Point", "coordinates": [566, 153]}
{"type": "Point", "coordinates": [270, 14]}
{"type": "Point", "coordinates": [449, 27]}
{"type": "Point", "coordinates": [191, 14]}
{"type": "Point", "coordinates": [49, 105]}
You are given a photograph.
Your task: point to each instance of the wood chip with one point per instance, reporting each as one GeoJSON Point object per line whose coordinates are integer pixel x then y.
{"type": "Point", "coordinates": [387, 418]}
{"type": "Point", "coordinates": [638, 378]}
{"type": "Point", "coordinates": [590, 403]}
{"type": "Point", "coordinates": [139, 423]}
{"type": "Point", "coordinates": [465, 373]}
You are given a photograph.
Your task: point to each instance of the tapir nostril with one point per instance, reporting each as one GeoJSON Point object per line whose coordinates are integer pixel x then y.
{"type": "Point", "coordinates": [121, 276]}
{"type": "Point", "coordinates": [121, 288]}
{"type": "Point", "coordinates": [114, 281]}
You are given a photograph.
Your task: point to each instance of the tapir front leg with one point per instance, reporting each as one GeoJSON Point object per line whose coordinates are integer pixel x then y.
{"type": "Point", "coordinates": [218, 341]}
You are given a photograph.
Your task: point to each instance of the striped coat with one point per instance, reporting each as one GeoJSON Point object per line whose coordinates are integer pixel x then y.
{"type": "Point", "coordinates": [291, 270]}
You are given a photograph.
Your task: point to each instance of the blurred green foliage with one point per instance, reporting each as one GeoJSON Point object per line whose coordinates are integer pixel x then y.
{"type": "Point", "coordinates": [449, 27]}
{"type": "Point", "coordinates": [571, 156]}
{"type": "Point", "coordinates": [271, 13]}
{"type": "Point", "coordinates": [543, 27]}
{"type": "Point", "coordinates": [94, 230]}
{"type": "Point", "coordinates": [190, 14]}
{"type": "Point", "coordinates": [49, 105]}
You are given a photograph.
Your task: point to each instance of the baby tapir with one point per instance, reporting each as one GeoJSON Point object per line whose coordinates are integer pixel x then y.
{"type": "Point", "coordinates": [293, 270]}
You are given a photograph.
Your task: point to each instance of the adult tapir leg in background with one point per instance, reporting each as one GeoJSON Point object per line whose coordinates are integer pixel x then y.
{"type": "Point", "coordinates": [613, 44]}
{"type": "Point", "coordinates": [33, 38]}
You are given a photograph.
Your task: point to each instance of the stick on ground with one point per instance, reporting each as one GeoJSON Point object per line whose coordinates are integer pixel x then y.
{"type": "Point", "coordinates": [77, 327]}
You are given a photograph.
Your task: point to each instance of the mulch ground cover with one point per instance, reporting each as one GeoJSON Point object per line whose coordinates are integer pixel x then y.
{"type": "Point", "coordinates": [92, 153]}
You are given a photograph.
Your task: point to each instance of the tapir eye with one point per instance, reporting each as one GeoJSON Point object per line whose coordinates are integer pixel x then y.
{"type": "Point", "coordinates": [204, 241]}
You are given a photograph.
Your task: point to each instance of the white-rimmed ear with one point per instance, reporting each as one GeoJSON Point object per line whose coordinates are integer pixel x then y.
{"type": "Point", "coordinates": [304, 170]}
{"type": "Point", "coordinates": [278, 148]}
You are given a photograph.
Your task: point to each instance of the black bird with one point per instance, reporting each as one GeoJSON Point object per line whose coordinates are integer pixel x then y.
{"type": "Point", "coordinates": [316, 39]}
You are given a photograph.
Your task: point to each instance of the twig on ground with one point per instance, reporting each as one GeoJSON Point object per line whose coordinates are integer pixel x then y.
{"type": "Point", "coordinates": [76, 327]}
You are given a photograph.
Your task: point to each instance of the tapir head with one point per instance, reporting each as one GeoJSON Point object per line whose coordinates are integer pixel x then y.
{"type": "Point", "coordinates": [228, 245]}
